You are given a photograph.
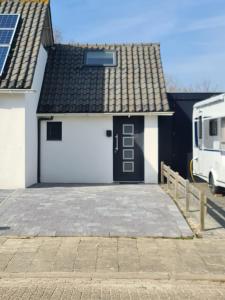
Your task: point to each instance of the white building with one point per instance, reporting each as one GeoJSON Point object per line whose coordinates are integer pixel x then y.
{"type": "Point", "coordinates": [20, 87]}
{"type": "Point", "coordinates": [90, 115]}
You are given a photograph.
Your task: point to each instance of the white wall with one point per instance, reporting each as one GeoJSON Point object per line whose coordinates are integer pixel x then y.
{"type": "Point", "coordinates": [85, 154]}
{"type": "Point", "coordinates": [12, 141]}
{"type": "Point", "coordinates": [31, 119]}
{"type": "Point", "coordinates": [18, 133]}
{"type": "Point", "coordinates": [151, 149]}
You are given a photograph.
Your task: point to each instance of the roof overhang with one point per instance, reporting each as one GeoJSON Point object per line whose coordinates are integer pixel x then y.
{"type": "Point", "coordinates": [169, 113]}
{"type": "Point", "coordinates": [210, 101]}
{"type": "Point", "coordinates": [17, 91]}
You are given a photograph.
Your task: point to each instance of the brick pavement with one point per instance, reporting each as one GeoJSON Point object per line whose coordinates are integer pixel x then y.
{"type": "Point", "coordinates": [49, 289]}
{"type": "Point", "coordinates": [94, 210]}
{"type": "Point", "coordinates": [111, 268]}
{"type": "Point", "coordinates": [113, 255]}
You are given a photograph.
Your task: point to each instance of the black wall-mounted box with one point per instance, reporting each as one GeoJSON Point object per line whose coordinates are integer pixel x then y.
{"type": "Point", "coordinates": [108, 133]}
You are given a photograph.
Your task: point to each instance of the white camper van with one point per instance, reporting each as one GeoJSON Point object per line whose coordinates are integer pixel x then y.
{"type": "Point", "coordinates": [209, 141]}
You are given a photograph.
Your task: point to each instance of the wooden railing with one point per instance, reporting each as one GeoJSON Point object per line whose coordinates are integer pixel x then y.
{"type": "Point", "coordinates": [178, 187]}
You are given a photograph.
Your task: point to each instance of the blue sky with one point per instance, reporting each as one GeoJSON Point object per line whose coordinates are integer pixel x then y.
{"type": "Point", "coordinates": [191, 32]}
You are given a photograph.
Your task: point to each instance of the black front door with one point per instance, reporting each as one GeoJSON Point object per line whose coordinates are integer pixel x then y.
{"type": "Point", "coordinates": [128, 148]}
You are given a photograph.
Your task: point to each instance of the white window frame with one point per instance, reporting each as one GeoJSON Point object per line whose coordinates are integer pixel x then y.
{"type": "Point", "coordinates": [124, 126]}
{"type": "Point", "coordinates": [129, 149]}
{"type": "Point", "coordinates": [128, 171]}
{"type": "Point", "coordinates": [128, 137]}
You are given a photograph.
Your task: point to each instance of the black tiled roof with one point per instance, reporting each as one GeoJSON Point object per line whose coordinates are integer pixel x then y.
{"type": "Point", "coordinates": [174, 98]}
{"type": "Point", "coordinates": [136, 84]}
{"type": "Point", "coordinates": [21, 63]}
{"type": "Point", "coordinates": [198, 96]}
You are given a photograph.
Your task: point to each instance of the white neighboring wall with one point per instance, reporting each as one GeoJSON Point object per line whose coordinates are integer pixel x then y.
{"type": "Point", "coordinates": [31, 120]}
{"type": "Point", "coordinates": [18, 133]}
{"type": "Point", "coordinates": [85, 154]}
{"type": "Point", "coordinates": [12, 141]}
{"type": "Point", "coordinates": [151, 144]}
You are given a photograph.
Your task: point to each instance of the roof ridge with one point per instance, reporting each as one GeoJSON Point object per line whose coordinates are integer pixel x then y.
{"type": "Point", "coordinates": [106, 44]}
{"type": "Point", "coordinates": [29, 1]}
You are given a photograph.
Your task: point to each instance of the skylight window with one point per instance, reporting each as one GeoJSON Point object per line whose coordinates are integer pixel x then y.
{"type": "Point", "coordinates": [100, 58]}
{"type": "Point", "coordinates": [8, 25]}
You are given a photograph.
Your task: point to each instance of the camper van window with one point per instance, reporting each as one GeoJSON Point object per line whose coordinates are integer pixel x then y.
{"type": "Point", "coordinates": [223, 130]}
{"type": "Point", "coordinates": [213, 127]}
{"type": "Point", "coordinates": [196, 134]}
{"type": "Point", "coordinates": [200, 128]}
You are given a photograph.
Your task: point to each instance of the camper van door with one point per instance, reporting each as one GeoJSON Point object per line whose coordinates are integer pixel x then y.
{"type": "Point", "coordinates": [222, 148]}
{"type": "Point", "coordinates": [198, 145]}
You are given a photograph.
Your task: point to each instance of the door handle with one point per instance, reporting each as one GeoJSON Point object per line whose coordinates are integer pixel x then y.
{"type": "Point", "coordinates": [117, 142]}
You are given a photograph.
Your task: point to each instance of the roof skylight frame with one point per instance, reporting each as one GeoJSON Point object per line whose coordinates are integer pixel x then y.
{"type": "Point", "coordinates": [11, 41]}
{"type": "Point", "coordinates": [114, 52]}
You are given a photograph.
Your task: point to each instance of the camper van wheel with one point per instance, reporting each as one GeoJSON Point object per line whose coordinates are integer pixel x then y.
{"type": "Point", "coordinates": [213, 188]}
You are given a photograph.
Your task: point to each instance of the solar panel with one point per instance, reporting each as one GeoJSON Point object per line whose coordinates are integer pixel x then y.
{"type": "Point", "coordinates": [8, 25]}
{"type": "Point", "coordinates": [3, 56]}
{"type": "Point", "coordinates": [8, 20]}
{"type": "Point", "coordinates": [6, 36]}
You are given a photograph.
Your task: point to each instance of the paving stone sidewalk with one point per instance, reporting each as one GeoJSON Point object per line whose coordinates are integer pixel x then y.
{"type": "Point", "coordinates": [104, 210]}
{"type": "Point", "coordinates": [113, 255]}
{"type": "Point", "coordinates": [111, 268]}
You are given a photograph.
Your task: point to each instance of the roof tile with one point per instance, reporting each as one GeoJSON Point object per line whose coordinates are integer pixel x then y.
{"type": "Point", "coordinates": [136, 84]}
{"type": "Point", "coordinates": [20, 67]}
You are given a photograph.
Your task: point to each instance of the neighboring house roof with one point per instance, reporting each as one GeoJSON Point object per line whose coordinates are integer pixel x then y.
{"type": "Point", "coordinates": [185, 100]}
{"type": "Point", "coordinates": [174, 97]}
{"type": "Point", "coordinates": [34, 28]}
{"type": "Point", "coordinates": [136, 84]}
{"type": "Point", "coordinates": [192, 96]}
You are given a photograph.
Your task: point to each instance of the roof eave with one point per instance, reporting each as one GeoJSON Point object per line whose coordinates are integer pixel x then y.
{"type": "Point", "coordinates": [166, 113]}
{"type": "Point", "coordinates": [17, 91]}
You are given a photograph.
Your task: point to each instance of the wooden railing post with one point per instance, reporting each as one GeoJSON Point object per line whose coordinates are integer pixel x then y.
{"type": "Point", "coordinates": [176, 186]}
{"type": "Point", "coordinates": [203, 200]}
{"type": "Point", "coordinates": [206, 203]}
{"type": "Point", "coordinates": [168, 179]}
{"type": "Point", "coordinates": [162, 173]}
{"type": "Point", "coordinates": [187, 196]}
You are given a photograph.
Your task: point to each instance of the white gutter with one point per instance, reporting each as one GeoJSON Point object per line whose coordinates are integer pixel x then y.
{"type": "Point", "coordinates": [17, 91]}
{"type": "Point", "coordinates": [169, 113]}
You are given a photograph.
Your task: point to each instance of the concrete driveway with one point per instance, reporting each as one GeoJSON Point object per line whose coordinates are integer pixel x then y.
{"type": "Point", "coordinates": [106, 210]}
